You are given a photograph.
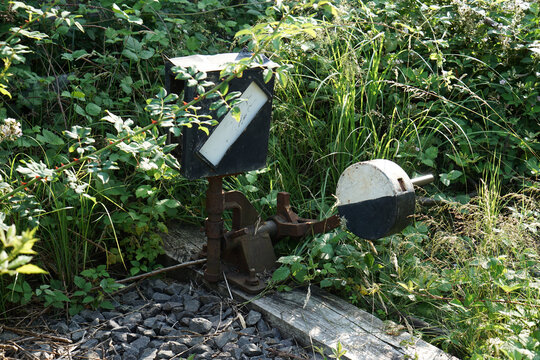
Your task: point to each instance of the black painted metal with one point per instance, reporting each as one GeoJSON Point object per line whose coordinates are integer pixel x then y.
{"type": "Point", "coordinates": [377, 218]}
{"type": "Point", "coordinates": [247, 153]}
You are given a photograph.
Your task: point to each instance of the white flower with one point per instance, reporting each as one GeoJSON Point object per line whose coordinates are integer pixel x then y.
{"type": "Point", "coordinates": [10, 130]}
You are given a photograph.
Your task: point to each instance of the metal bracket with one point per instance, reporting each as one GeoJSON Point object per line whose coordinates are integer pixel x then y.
{"type": "Point", "coordinates": [246, 251]}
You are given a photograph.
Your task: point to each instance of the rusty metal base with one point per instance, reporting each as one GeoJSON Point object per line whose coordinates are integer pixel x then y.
{"type": "Point", "coordinates": [246, 283]}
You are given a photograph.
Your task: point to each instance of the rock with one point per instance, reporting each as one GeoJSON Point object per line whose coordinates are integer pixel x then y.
{"type": "Point", "coordinates": [130, 297]}
{"type": "Point", "coordinates": [76, 321]}
{"type": "Point", "coordinates": [253, 318]}
{"type": "Point", "coordinates": [165, 354]}
{"type": "Point", "coordinates": [152, 311]}
{"type": "Point", "coordinates": [102, 335]}
{"type": "Point", "coordinates": [7, 336]}
{"type": "Point", "coordinates": [91, 315]}
{"type": "Point", "coordinates": [140, 343]}
{"type": "Point", "coordinates": [171, 305]}
{"type": "Point", "coordinates": [146, 332]}
{"type": "Point", "coordinates": [200, 349]}
{"type": "Point", "coordinates": [200, 325]}
{"type": "Point", "coordinates": [262, 326]}
{"type": "Point", "coordinates": [155, 344]}
{"type": "Point", "coordinates": [78, 335]}
{"type": "Point", "coordinates": [60, 327]}
{"type": "Point", "coordinates": [160, 297]}
{"type": "Point", "coordinates": [93, 355]}
{"type": "Point", "coordinates": [249, 331]}
{"type": "Point", "coordinates": [209, 299]}
{"type": "Point", "coordinates": [192, 305]}
{"type": "Point", "coordinates": [120, 336]}
{"type": "Point", "coordinates": [150, 322]}
{"type": "Point", "coordinates": [132, 320]}
{"type": "Point", "coordinates": [111, 314]}
{"type": "Point", "coordinates": [148, 354]}
{"type": "Point", "coordinates": [224, 338]}
{"type": "Point", "coordinates": [159, 285]}
{"type": "Point", "coordinates": [286, 343]}
{"type": "Point", "coordinates": [89, 344]}
{"type": "Point", "coordinates": [166, 330]}
{"type": "Point", "coordinates": [175, 347]}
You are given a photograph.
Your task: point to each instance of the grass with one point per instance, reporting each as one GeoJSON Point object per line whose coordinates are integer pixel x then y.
{"type": "Point", "coordinates": [396, 80]}
{"type": "Point", "coordinates": [468, 268]}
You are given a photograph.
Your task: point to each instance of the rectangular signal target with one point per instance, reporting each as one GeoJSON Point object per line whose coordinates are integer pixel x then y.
{"type": "Point", "coordinates": [229, 129]}
{"type": "Point", "coordinates": [232, 146]}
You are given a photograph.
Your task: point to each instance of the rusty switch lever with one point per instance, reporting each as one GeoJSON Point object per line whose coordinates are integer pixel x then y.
{"type": "Point", "coordinates": [247, 249]}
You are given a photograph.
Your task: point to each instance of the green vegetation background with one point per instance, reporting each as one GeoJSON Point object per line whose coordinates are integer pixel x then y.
{"type": "Point", "coordinates": [448, 87]}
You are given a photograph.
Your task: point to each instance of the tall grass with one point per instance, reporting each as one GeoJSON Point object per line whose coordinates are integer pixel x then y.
{"type": "Point", "coordinates": [344, 104]}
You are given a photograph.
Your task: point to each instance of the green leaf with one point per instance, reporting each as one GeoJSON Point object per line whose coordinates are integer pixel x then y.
{"type": "Point", "coordinates": [30, 269]}
{"type": "Point", "coordinates": [236, 113]}
{"type": "Point", "coordinates": [192, 43]}
{"type": "Point", "coordinates": [221, 111]}
{"type": "Point", "coordinates": [77, 95]}
{"type": "Point", "coordinates": [267, 74]}
{"type": "Point", "coordinates": [144, 191]}
{"type": "Point", "coordinates": [103, 176]}
{"type": "Point", "coordinates": [289, 259]}
{"type": "Point", "coordinates": [147, 54]}
{"type": "Point", "coordinates": [93, 109]}
{"type": "Point", "coordinates": [126, 83]}
{"type": "Point", "coordinates": [326, 283]}
{"type": "Point", "coordinates": [50, 138]}
{"type": "Point", "coordinates": [79, 281]}
{"type": "Point", "coordinates": [282, 273]}
{"type": "Point", "coordinates": [107, 305]}
{"type": "Point", "coordinates": [79, 110]}
{"type": "Point", "coordinates": [130, 55]}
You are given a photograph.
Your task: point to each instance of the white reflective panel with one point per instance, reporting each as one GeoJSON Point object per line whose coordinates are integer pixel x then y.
{"type": "Point", "coordinates": [229, 130]}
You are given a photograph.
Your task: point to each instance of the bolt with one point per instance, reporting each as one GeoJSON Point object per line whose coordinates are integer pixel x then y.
{"type": "Point", "coordinates": [252, 280]}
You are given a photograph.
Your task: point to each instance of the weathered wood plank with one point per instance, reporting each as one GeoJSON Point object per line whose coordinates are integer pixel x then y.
{"type": "Point", "coordinates": [324, 319]}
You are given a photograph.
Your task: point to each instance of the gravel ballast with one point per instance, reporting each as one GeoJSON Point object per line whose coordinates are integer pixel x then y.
{"type": "Point", "coordinates": [155, 320]}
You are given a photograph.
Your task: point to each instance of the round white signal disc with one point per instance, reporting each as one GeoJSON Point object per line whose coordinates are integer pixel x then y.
{"type": "Point", "coordinates": [375, 197]}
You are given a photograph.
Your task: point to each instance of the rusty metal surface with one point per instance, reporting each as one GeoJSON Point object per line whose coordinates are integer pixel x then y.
{"type": "Point", "coordinates": [214, 228]}
{"type": "Point", "coordinates": [288, 223]}
{"type": "Point", "coordinates": [246, 251]}
{"type": "Point", "coordinates": [250, 252]}
{"type": "Point", "coordinates": [244, 213]}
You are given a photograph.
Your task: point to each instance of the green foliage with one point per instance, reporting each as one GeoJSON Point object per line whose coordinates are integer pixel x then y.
{"type": "Point", "coordinates": [16, 251]}
{"type": "Point", "coordinates": [101, 190]}
{"type": "Point", "coordinates": [437, 86]}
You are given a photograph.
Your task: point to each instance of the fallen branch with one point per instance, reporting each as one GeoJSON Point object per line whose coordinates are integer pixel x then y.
{"type": "Point", "coordinates": [35, 334]}
{"type": "Point", "coordinates": [162, 270]}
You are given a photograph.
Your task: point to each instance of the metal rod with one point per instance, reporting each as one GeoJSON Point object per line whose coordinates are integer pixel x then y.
{"type": "Point", "coordinates": [423, 180]}
{"type": "Point", "coordinates": [214, 228]}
